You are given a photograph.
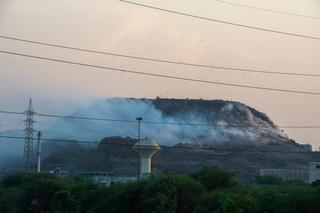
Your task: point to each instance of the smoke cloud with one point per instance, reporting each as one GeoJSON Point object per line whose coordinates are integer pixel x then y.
{"type": "Point", "coordinates": [169, 111]}
{"type": "Point", "coordinates": [165, 134]}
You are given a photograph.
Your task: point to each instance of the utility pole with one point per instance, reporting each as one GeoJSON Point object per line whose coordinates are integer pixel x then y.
{"type": "Point", "coordinates": [139, 119]}
{"type": "Point", "coordinates": [28, 142]}
{"type": "Point", "coordinates": [39, 153]}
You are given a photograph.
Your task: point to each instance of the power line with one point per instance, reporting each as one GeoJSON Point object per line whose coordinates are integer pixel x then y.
{"type": "Point", "coordinates": [79, 129]}
{"type": "Point", "coordinates": [11, 112]}
{"type": "Point", "coordinates": [82, 129]}
{"type": "Point", "coordinates": [70, 117]}
{"type": "Point", "coordinates": [159, 60]}
{"type": "Point", "coordinates": [72, 135]}
{"type": "Point", "coordinates": [267, 10]}
{"type": "Point", "coordinates": [164, 123]}
{"type": "Point", "coordinates": [213, 149]}
{"type": "Point", "coordinates": [52, 140]}
{"type": "Point", "coordinates": [85, 118]}
{"type": "Point", "coordinates": [232, 126]}
{"type": "Point", "coordinates": [221, 21]}
{"type": "Point", "coordinates": [161, 75]}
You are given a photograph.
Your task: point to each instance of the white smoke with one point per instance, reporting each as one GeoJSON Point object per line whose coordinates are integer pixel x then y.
{"type": "Point", "coordinates": [165, 134]}
{"type": "Point", "coordinates": [231, 113]}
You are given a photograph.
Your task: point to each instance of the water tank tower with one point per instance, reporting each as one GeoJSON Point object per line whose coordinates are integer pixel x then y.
{"type": "Point", "coordinates": [148, 148]}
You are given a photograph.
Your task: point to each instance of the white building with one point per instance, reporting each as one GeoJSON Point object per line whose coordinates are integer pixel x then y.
{"type": "Point", "coordinates": [286, 174]}
{"type": "Point", "coordinates": [314, 172]}
{"type": "Point", "coordinates": [108, 179]}
{"type": "Point", "coordinates": [309, 175]}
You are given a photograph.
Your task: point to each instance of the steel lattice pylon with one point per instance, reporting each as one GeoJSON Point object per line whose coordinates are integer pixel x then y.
{"type": "Point", "coordinates": [28, 143]}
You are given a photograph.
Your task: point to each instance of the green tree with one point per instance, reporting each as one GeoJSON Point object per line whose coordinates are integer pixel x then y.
{"type": "Point", "coordinates": [315, 183]}
{"type": "Point", "coordinates": [87, 194]}
{"type": "Point", "coordinates": [122, 197]}
{"type": "Point", "coordinates": [32, 192]}
{"type": "Point", "coordinates": [224, 201]}
{"type": "Point", "coordinates": [268, 180]}
{"type": "Point", "coordinates": [161, 194]}
{"type": "Point", "coordinates": [214, 178]}
{"type": "Point", "coordinates": [63, 202]}
{"type": "Point", "coordinates": [172, 193]}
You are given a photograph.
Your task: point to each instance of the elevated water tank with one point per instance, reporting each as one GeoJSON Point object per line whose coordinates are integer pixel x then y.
{"type": "Point", "coordinates": [148, 148]}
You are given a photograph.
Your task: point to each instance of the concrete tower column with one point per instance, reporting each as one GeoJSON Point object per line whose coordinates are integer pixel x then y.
{"type": "Point", "coordinates": [148, 148]}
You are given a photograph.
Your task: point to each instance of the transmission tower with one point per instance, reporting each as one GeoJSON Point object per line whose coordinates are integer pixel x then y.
{"type": "Point", "coordinates": [28, 143]}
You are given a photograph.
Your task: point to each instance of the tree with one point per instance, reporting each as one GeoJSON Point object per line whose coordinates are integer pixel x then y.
{"type": "Point", "coordinates": [32, 192]}
{"type": "Point", "coordinates": [160, 194]}
{"type": "Point", "coordinates": [214, 178]}
{"type": "Point", "coordinates": [172, 193]}
{"type": "Point", "coordinates": [122, 197]}
{"type": "Point", "coordinates": [223, 201]}
{"type": "Point", "coordinates": [268, 180]}
{"type": "Point", "coordinates": [315, 183]}
{"type": "Point", "coordinates": [63, 202]}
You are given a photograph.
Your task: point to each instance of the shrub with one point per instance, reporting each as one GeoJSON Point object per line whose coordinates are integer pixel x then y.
{"type": "Point", "coordinates": [221, 202]}
{"type": "Point", "coordinates": [268, 180]}
{"type": "Point", "coordinates": [214, 178]}
{"type": "Point", "coordinates": [63, 202]}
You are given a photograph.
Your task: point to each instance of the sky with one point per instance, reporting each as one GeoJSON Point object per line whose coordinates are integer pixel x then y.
{"type": "Point", "coordinates": [115, 26]}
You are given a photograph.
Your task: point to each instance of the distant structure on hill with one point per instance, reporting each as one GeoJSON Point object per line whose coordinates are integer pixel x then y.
{"type": "Point", "coordinates": [307, 147]}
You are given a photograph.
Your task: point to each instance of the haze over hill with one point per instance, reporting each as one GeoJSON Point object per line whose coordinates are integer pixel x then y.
{"type": "Point", "coordinates": [221, 122]}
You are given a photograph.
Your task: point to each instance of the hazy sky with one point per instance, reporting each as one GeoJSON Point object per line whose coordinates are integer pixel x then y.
{"type": "Point", "coordinates": [111, 25]}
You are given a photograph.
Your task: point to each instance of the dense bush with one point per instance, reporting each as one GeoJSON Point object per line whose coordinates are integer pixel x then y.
{"type": "Point", "coordinates": [208, 190]}
{"type": "Point", "coordinates": [268, 180]}
{"type": "Point", "coordinates": [29, 192]}
{"type": "Point", "coordinates": [64, 202]}
{"type": "Point", "coordinates": [162, 194]}
{"type": "Point", "coordinates": [214, 178]}
{"type": "Point", "coordinates": [220, 202]}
